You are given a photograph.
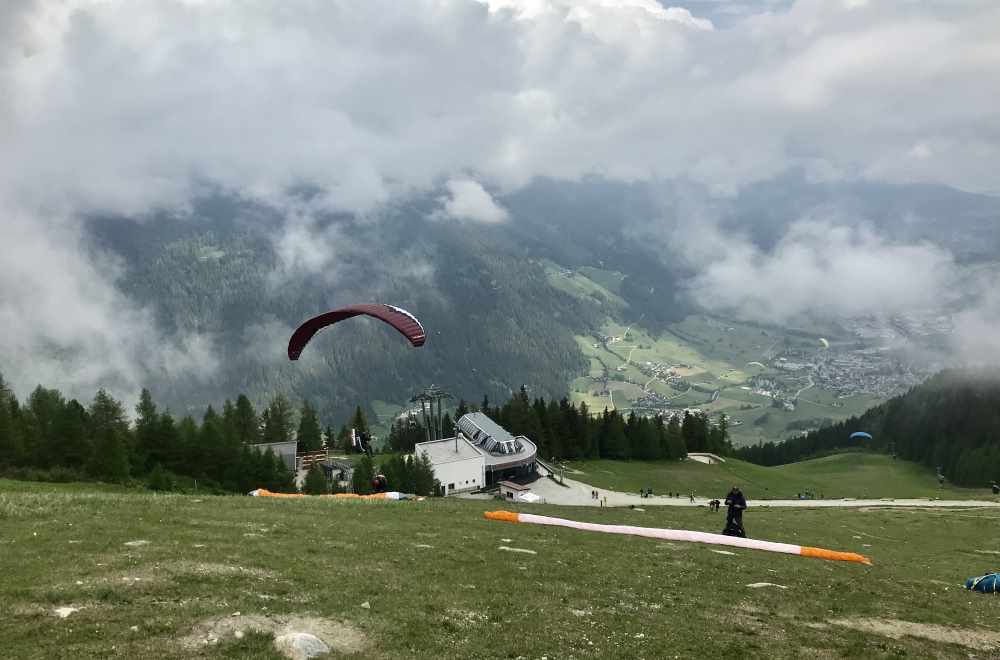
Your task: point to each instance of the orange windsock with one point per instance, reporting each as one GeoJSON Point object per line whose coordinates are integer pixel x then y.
{"type": "Point", "coordinates": [680, 535]}
{"type": "Point", "coordinates": [508, 516]}
{"type": "Point", "coordinates": [822, 553]}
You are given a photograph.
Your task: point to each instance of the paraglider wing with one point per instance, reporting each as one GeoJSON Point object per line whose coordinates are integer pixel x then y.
{"type": "Point", "coordinates": [759, 364]}
{"type": "Point", "coordinates": [406, 323]}
{"type": "Point", "coordinates": [824, 342]}
{"type": "Point", "coordinates": [861, 434]}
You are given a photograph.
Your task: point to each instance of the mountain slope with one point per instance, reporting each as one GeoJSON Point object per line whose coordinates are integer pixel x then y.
{"type": "Point", "coordinates": [951, 422]}
{"type": "Point", "coordinates": [244, 275]}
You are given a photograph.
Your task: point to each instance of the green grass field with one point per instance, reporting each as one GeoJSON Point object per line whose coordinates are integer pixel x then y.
{"type": "Point", "coordinates": [857, 475]}
{"type": "Point", "coordinates": [437, 585]}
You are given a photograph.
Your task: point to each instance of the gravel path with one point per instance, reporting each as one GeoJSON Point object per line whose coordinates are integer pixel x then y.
{"type": "Point", "coordinates": [576, 493]}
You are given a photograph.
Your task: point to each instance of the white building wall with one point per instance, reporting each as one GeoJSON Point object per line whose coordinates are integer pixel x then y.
{"type": "Point", "coordinates": [468, 474]}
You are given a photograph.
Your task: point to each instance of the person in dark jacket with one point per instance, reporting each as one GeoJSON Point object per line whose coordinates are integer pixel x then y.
{"type": "Point", "coordinates": [736, 503]}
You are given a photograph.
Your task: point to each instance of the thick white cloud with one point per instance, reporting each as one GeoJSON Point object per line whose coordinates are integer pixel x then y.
{"type": "Point", "coordinates": [467, 200]}
{"type": "Point", "coordinates": [64, 322]}
{"type": "Point", "coordinates": [128, 107]}
{"type": "Point", "coordinates": [125, 105]}
{"type": "Point", "coordinates": [825, 269]}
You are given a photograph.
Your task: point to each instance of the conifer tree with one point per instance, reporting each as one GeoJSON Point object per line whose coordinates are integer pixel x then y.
{"type": "Point", "coordinates": [168, 443]}
{"type": "Point", "coordinates": [278, 420]}
{"type": "Point", "coordinates": [677, 449]}
{"type": "Point", "coordinates": [212, 447]}
{"type": "Point", "coordinates": [364, 472]}
{"type": "Point", "coordinates": [75, 447]}
{"type": "Point", "coordinates": [309, 435]}
{"type": "Point", "coordinates": [188, 448]}
{"type": "Point", "coordinates": [358, 421]}
{"type": "Point", "coordinates": [109, 459]}
{"type": "Point", "coordinates": [41, 414]}
{"type": "Point", "coordinates": [423, 476]}
{"type": "Point", "coordinates": [10, 445]}
{"type": "Point", "coordinates": [344, 439]}
{"type": "Point", "coordinates": [246, 422]}
{"type": "Point", "coordinates": [315, 483]}
{"type": "Point", "coordinates": [147, 452]}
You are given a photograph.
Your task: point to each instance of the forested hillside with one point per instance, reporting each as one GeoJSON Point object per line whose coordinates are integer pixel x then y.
{"type": "Point", "coordinates": [950, 422]}
{"type": "Point", "coordinates": [493, 320]}
{"type": "Point", "coordinates": [241, 276]}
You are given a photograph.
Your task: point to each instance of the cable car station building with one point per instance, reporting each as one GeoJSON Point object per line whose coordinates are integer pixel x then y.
{"type": "Point", "coordinates": [480, 455]}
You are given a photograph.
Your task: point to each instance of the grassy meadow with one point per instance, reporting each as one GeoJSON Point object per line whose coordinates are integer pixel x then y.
{"type": "Point", "coordinates": [854, 474]}
{"type": "Point", "coordinates": [155, 576]}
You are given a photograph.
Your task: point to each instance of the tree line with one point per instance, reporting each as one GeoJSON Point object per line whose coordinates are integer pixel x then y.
{"type": "Point", "coordinates": [951, 422]}
{"type": "Point", "coordinates": [49, 437]}
{"type": "Point", "coordinates": [567, 431]}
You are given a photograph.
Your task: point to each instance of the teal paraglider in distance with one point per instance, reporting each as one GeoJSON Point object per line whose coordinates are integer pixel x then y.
{"type": "Point", "coordinates": [860, 434]}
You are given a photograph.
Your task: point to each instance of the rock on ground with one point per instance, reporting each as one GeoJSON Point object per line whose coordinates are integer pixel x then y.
{"type": "Point", "coordinates": [300, 646]}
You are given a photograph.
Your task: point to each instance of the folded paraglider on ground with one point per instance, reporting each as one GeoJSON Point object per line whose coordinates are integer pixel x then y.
{"type": "Point", "coordinates": [986, 584]}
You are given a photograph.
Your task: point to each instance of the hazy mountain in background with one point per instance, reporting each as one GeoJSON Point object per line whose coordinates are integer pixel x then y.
{"type": "Point", "coordinates": [244, 276]}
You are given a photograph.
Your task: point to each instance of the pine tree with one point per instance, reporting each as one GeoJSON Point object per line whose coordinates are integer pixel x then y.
{"type": "Point", "coordinates": [147, 452]}
{"type": "Point", "coordinates": [246, 423]}
{"type": "Point", "coordinates": [309, 436]}
{"type": "Point", "coordinates": [72, 430]}
{"type": "Point", "coordinates": [10, 445]}
{"type": "Point", "coordinates": [424, 482]}
{"type": "Point", "coordinates": [584, 435]}
{"type": "Point", "coordinates": [344, 439]}
{"type": "Point", "coordinates": [329, 438]}
{"type": "Point", "coordinates": [42, 412]}
{"type": "Point", "coordinates": [358, 421]}
{"type": "Point", "coordinates": [168, 443]}
{"type": "Point", "coordinates": [675, 439]}
{"type": "Point", "coordinates": [278, 420]}
{"type": "Point", "coordinates": [462, 409]}
{"type": "Point", "coordinates": [393, 471]}
{"type": "Point", "coordinates": [405, 434]}
{"type": "Point", "coordinates": [230, 433]}
{"type": "Point", "coordinates": [364, 472]}
{"type": "Point", "coordinates": [109, 431]}
{"type": "Point", "coordinates": [283, 478]}
{"type": "Point", "coordinates": [614, 444]}
{"type": "Point", "coordinates": [189, 459]}
{"type": "Point", "coordinates": [212, 446]}
{"type": "Point", "coordinates": [315, 483]}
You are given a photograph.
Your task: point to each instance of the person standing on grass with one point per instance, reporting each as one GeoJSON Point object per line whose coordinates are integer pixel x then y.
{"type": "Point", "coordinates": [736, 504]}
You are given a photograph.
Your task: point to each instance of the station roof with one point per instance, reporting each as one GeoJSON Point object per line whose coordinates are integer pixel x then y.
{"type": "Point", "coordinates": [444, 450]}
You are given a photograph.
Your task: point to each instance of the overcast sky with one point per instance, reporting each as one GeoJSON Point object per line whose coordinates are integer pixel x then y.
{"type": "Point", "coordinates": [130, 107]}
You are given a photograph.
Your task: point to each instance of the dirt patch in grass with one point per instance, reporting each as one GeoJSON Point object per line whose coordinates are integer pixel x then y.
{"type": "Point", "coordinates": [339, 636]}
{"type": "Point", "coordinates": [974, 639]}
{"type": "Point", "coordinates": [464, 618]}
{"type": "Point", "coordinates": [216, 570]}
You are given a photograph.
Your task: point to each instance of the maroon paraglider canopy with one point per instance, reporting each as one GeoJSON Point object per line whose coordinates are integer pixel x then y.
{"type": "Point", "coordinates": [402, 320]}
